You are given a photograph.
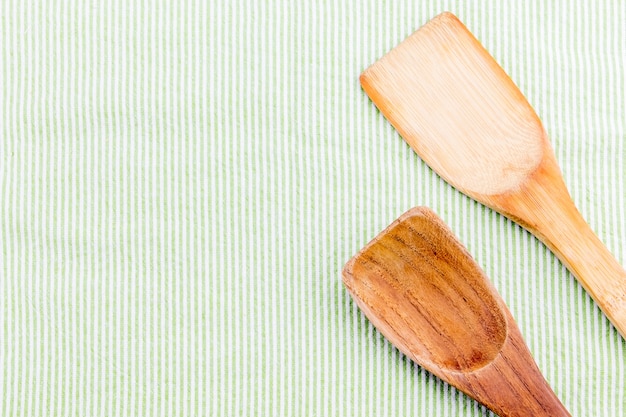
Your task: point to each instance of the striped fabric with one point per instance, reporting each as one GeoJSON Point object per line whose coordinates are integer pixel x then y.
{"type": "Point", "coordinates": [181, 183]}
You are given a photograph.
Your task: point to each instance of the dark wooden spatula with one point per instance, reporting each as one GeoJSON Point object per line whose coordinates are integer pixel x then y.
{"type": "Point", "coordinates": [421, 288]}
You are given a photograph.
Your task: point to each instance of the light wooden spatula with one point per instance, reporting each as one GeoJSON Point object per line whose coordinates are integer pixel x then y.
{"type": "Point", "coordinates": [464, 116]}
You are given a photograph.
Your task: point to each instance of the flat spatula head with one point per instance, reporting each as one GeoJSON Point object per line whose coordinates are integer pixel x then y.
{"type": "Point", "coordinates": [458, 109]}
{"type": "Point", "coordinates": [421, 288]}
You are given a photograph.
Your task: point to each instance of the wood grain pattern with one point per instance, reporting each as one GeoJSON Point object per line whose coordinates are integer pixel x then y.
{"type": "Point", "coordinates": [464, 116]}
{"type": "Point", "coordinates": [421, 288]}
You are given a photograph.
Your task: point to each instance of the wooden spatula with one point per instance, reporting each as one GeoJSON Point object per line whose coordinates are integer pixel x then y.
{"type": "Point", "coordinates": [420, 287]}
{"type": "Point", "coordinates": [463, 115]}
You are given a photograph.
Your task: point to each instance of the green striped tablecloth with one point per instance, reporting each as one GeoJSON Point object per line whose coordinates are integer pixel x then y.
{"type": "Point", "coordinates": [181, 183]}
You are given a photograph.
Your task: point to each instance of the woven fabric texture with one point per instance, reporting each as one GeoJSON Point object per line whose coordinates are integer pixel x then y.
{"type": "Point", "coordinates": [181, 183]}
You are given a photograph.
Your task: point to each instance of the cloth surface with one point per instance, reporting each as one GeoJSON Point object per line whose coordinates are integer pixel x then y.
{"type": "Point", "coordinates": [181, 183]}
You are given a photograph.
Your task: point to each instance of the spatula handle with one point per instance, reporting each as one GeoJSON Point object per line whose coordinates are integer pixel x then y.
{"type": "Point", "coordinates": [544, 207]}
{"type": "Point", "coordinates": [517, 388]}
{"type": "Point", "coordinates": [582, 252]}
